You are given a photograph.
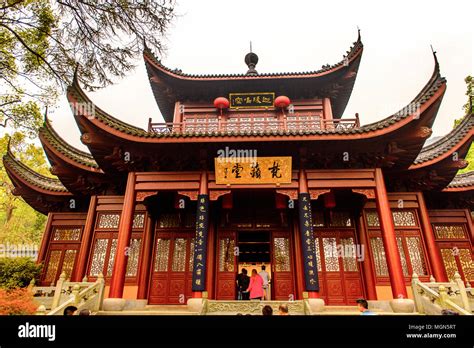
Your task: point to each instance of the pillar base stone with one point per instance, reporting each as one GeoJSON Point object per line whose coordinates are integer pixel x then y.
{"type": "Point", "coordinates": [195, 304]}
{"type": "Point", "coordinates": [402, 305]}
{"type": "Point", "coordinates": [114, 304]}
{"type": "Point", "coordinates": [316, 304]}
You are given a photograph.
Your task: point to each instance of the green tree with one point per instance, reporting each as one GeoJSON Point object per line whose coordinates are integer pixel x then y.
{"type": "Point", "coordinates": [42, 42]}
{"type": "Point", "coordinates": [19, 223]}
{"type": "Point", "coordinates": [468, 108]}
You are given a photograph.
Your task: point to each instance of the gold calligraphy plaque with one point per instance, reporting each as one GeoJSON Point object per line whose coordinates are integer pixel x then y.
{"type": "Point", "coordinates": [260, 170]}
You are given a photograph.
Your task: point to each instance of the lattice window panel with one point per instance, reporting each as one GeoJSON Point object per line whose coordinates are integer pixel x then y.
{"type": "Point", "coordinates": [98, 257]}
{"type": "Point", "coordinates": [340, 219]}
{"type": "Point", "coordinates": [449, 231]}
{"type": "Point", "coordinates": [331, 259]}
{"type": "Point", "coordinates": [467, 264]}
{"type": "Point", "coordinates": [415, 251]}
{"type": "Point", "coordinates": [281, 250]}
{"type": "Point", "coordinates": [191, 255]}
{"type": "Point", "coordinates": [109, 221]}
{"type": "Point", "coordinates": [138, 220]}
{"type": "Point", "coordinates": [380, 260]}
{"type": "Point", "coordinates": [404, 218]}
{"type": "Point", "coordinates": [133, 257]}
{"type": "Point", "coordinates": [178, 263]}
{"type": "Point", "coordinates": [162, 255]}
{"type": "Point", "coordinates": [349, 254]}
{"type": "Point", "coordinates": [403, 258]}
{"type": "Point", "coordinates": [401, 218]}
{"type": "Point", "coordinates": [318, 253]}
{"type": "Point", "coordinates": [53, 265]}
{"type": "Point", "coordinates": [226, 255]}
{"type": "Point", "coordinates": [113, 251]}
{"type": "Point", "coordinates": [68, 262]}
{"type": "Point", "coordinates": [449, 262]}
{"type": "Point", "coordinates": [372, 218]}
{"type": "Point", "coordinates": [67, 233]}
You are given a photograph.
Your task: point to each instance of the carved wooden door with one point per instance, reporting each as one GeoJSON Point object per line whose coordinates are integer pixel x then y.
{"type": "Point", "coordinates": [282, 282]}
{"type": "Point", "coordinates": [171, 278]}
{"type": "Point", "coordinates": [226, 265]}
{"type": "Point", "coordinates": [339, 272]}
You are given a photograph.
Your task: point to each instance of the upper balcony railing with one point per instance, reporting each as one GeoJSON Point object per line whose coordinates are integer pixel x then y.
{"type": "Point", "coordinates": [244, 124]}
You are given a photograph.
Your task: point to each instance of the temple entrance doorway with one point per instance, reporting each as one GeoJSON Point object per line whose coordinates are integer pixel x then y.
{"type": "Point", "coordinates": [254, 251]}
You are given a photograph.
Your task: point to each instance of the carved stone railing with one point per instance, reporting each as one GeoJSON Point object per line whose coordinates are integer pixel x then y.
{"type": "Point", "coordinates": [433, 297]}
{"type": "Point", "coordinates": [211, 307]}
{"type": "Point", "coordinates": [82, 295]}
{"type": "Point", "coordinates": [43, 295]}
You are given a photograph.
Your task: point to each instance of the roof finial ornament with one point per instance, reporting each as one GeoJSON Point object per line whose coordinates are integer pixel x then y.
{"type": "Point", "coordinates": [251, 59]}
{"type": "Point", "coordinates": [435, 57]}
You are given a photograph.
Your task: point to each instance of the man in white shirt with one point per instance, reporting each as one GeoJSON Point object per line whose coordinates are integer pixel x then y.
{"type": "Point", "coordinates": [266, 280]}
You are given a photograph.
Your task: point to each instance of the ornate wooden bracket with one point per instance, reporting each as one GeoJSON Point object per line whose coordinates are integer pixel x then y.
{"type": "Point", "coordinates": [315, 193]}
{"type": "Point", "coordinates": [215, 194]}
{"type": "Point", "coordinates": [369, 193]}
{"type": "Point", "coordinates": [191, 194]}
{"type": "Point", "coordinates": [290, 193]}
{"type": "Point", "coordinates": [141, 195]}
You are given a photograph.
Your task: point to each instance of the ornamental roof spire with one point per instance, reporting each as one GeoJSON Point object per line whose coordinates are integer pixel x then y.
{"type": "Point", "coordinates": [251, 59]}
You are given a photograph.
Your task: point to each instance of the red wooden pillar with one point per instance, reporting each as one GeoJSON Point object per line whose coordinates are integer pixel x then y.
{"type": "Point", "coordinates": [145, 262]}
{"type": "Point", "coordinates": [85, 241]}
{"type": "Point", "coordinates": [303, 188]}
{"type": "Point", "coordinates": [45, 241]}
{"type": "Point", "coordinates": [394, 264]}
{"type": "Point", "coordinates": [367, 264]}
{"type": "Point", "coordinates": [434, 254]}
{"type": "Point", "coordinates": [125, 232]}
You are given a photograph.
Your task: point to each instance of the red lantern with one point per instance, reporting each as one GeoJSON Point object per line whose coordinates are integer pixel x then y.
{"type": "Point", "coordinates": [221, 103]}
{"type": "Point", "coordinates": [330, 200]}
{"type": "Point", "coordinates": [280, 201]}
{"type": "Point", "coordinates": [227, 202]}
{"type": "Point", "coordinates": [282, 102]}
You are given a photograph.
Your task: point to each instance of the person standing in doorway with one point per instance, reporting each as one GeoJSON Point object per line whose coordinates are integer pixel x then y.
{"type": "Point", "coordinates": [243, 281]}
{"type": "Point", "coordinates": [266, 281]}
{"type": "Point", "coordinates": [256, 286]}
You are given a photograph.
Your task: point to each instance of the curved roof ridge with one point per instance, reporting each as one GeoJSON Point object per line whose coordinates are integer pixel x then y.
{"type": "Point", "coordinates": [100, 114]}
{"type": "Point", "coordinates": [353, 50]}
{"type": "Point", "coordinates": [462, 180]}
{"type": "Point", "coordinates": [65, 148]}
{"type": "Point", "coordinates": [428, 90]}
{"type": "Point", "coordinates": [28, 174]}
{"type": "Point", "coordinates": [446, 142]}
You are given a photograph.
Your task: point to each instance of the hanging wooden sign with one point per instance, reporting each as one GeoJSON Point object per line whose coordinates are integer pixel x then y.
{"type": "Point", "coordinates": [251, 100]}
{"type": "Point", "coordinates": [258, 170]}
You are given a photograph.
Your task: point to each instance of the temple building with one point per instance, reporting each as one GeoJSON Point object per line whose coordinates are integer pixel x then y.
{"type": "Point", "coordinates": [256, 169]}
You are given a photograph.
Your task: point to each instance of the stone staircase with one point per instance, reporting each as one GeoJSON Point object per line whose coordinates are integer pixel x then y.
{"type": "Point", "coordinates": [214, 307]}
{"type": "Point", "coordinates": [153, 310]}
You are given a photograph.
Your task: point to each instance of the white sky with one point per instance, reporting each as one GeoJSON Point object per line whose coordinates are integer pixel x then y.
{"type": "Point", "coordinates": [213, 37]}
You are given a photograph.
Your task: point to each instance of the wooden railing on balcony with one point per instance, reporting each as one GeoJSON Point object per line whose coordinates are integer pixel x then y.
{"type": "Point", "coordinates": [210, 123]}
